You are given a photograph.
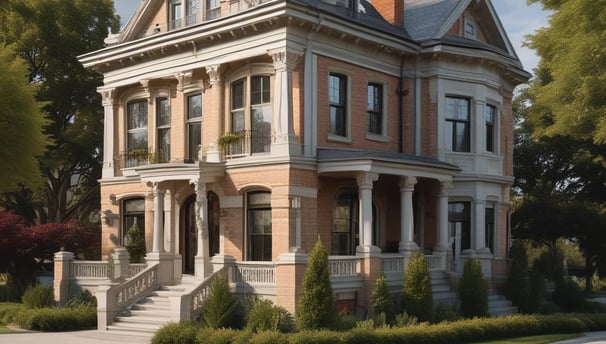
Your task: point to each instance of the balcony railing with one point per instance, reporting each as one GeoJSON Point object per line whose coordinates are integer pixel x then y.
{"type": "Point", "coordinates": [244, 143]}
{"type": "Point", "coordinates": [141, 157]}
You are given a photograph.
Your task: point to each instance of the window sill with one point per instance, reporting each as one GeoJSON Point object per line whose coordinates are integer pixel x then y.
{"type": "Point", "coordinates": [376, 137]}
{"type": "Point", "coordinates": [337, 138]}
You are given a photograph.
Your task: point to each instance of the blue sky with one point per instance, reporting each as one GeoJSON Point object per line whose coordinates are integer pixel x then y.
{"type": "Point", "coordinates": [517, 17]}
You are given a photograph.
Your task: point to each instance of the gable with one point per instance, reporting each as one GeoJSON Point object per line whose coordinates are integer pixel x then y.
{"type": "Point", "coordinates": [473, 20]}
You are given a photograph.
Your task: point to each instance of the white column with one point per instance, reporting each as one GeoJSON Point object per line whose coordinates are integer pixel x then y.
{"type": "Point", "coordinates": [407, 187]}
{"type": "Point", "coordinates": [169, 234]}
{"type": "Point", "coordinates": [108, 132]}
{"type": "Point", "coordinates": [202, 259]}
{"type": "Point", "coordinates": [158, 238]}
{"type": "Point", "coordinates": [296, 206]}
{"type": "Point", "coordinates": [443, 244]}
{"type": "Point", "coordinates": [479, 128]}
{"type": "Point", "coordinates": [480, 227]}
{"type": "Point", "coordinates": [365, 181]}
{"type": "Point", "coordinates": [285, 60]}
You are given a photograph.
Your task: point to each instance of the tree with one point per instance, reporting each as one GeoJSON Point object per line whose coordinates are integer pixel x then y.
{"type": "Point", "coordinates": [573, 56]}
{"type": "Point", "coordinates": [21, 123]}
{"type": "Point", "coordinates": [473, 290]}
{"type": "Point", "coordinates": [49, 35]}
{"type": "Point", "coordinates": [381, 303]}
{"type": "Point", "coordinates": [316, 306]}
{"type": "Point", "coordinates": [417, 295]}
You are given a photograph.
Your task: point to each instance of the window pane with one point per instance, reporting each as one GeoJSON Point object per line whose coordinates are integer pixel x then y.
{"type": "Point", "coordinates": [490, 127]}
{"type": "Point", "coordinates": [163, 145]}
{"type": "Point", "coordinates": [336, 95]}
{"type": "Point", "coordinates": [237, 121]}
{"type": "Point", "coordinates": [261, 128]}
{"type": "Point", "coordinates": [259, 90]}
{"type": "Point", "coordinates": [137, 115]}
{"type": "Point", "coordinates": [259, 225]}
{"type": "Point", "coordinates": [194, 106]}
{"type": "Point", "coordinates": [457, 108]}
{"type": "Point", "coordinates": [375, 109]}
{"type": "Point", "coordinates": [163, 112]}
{"type": "Point", "coordinates": [336, 86]}
{"type": "Point", "coordinates": [237, 95]}
{"type": "Point", "coordinates": [195, 140]}
{"type": "Point", "coordinates": [137, 140]}
{"type": "Point", "coordinates": [462, 137]}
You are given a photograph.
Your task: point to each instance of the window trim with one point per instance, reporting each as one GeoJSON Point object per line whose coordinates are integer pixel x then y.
{"type": "Point", "coordinates": [141, 158]}
{"type": "Point", "coordinates": [346, 106]}
{"type": "Point", "coordinates": [162, 158]}
{"type": "Point", "coordinates": [353, 229]}
{"type": "Point", "coordinates": [248, 229]}
{"type": "Point", "coordinates": [381, 112]}
{"type": "Point", "coordinates": [123, 215]}
{"type": "Point", "coordinates": [193, 121]}
{"type": "Point", "coordinates": [494, 130]}
{"type": "Point", "coordinates": [452, 146]}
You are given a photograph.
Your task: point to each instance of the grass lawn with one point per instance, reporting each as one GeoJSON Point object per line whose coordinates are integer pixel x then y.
{"type": "Point", "coordinates": [4, 329]}
{"type": "Point", "coordinates": [547, 338]}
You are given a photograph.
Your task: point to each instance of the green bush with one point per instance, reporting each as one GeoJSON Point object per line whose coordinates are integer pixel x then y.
{"type": "Point", "coordinates": [445, 312]}
{"type": "Point", "coordinates": [417, 295]}
{"type": "Point", "coordinates": [84, 299]}
{"type": "Point", "coordinates": [568, 296]}
{"type": "Point", "coordinates": [176, 333]}
{"type": "Point", "coordinates": [135, 244]}
{"type": "Point", "coordinates": [265, 316]}
{"type": "Point", "coordinates": [316, 337]}
{"type": "Point", "coordinates": [517, 287]}
{"type": "Point", "coordinates": [57, 319]}
{"type": "Point", "coordinates": [345, 322]}
{"type": "Point", "coordinates": [269, 337]}
{"type": "Point", "coordinates": [219, 336]}
{"type": "Point", "coordinates": [473, 290]}
{"type": "Point", "coordinates": [316, 306]}
{"type": "Point", "coordinates": [39, 297]}
{"type": "Point", "coordinates": [380, 301]}
{"type": "Point", "coordinates": [220, 309]}
{"type": "Point", "coordinates": [9, 311]}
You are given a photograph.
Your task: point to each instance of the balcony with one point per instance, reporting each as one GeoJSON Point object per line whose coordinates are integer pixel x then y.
{"type": "Point", "coordinates": [141, 157]}
{"type": "Point", "coordinates": [245, 143]}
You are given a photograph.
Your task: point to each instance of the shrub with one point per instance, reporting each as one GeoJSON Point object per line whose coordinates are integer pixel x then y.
{"type": "Point", "coordinates": [57, 319]}
{"type": "Point", "coordinates": [176, 333]}
{"type": "Point", "coordinates": [9, 311]}
{"type": "Point", "coordinates": [220, 309]}
{"type": "Point", "coordinates": [568, 296]}
{"type": "Point", "coordinates": [84, 299]}
{"type": "Point", "coordinates": [135, 244]}
{"type": "Point", "coordinates": [445, 312]}
{"type": "Point", "coordinates": [316, 306]}
{"type": "Point", "coordinates": [219, 336]}
{"type": "Point", "coordinates": [39, 297]}
{"type": "Point", "coordinates": [265, 316]}
{"type": "Point", "coordinates": [473, 290]}
{"type": "Point", "coordinates": [269, 337]}
{"type": "Point", "coordinates": [380, 302]}
{"type": "Point", "coordinates": [516, 287]}
{"type": "Point", "coordinates": [416, 293]}
{"type": "Point", "coordinates": [404, 320]}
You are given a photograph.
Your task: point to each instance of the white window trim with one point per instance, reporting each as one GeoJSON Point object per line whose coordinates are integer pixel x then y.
{"type": "Point", "coordinates": [373, 136]}
{"type": "Point", "coordinates": [347, 137]}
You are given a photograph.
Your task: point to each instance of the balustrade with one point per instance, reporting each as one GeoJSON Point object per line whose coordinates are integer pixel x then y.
{"type": "Point", "coordinates": [341, 266]}
{"type": "Point", "coordinates": [255, 274]}
{"type": "Point", "coordinates": [89, 269]}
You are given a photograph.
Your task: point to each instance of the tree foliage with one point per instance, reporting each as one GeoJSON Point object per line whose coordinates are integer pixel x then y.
{"type": "Point", "coordinates": [380, 300]}
{"type": "Point", "coordinates": [417, 294]}
{"type": "Point", "coordinates": [21, 124]}
{"type": "Point", "coordinates": [473, 290]}
{"type": "Point", "coordinates": [316, 306]}
{"type": "Point", "coordinates": [49, 35]}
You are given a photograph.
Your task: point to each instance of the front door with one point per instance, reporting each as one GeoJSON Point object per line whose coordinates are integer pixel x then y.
{"type": "Point", "coordinates": [189, 245]}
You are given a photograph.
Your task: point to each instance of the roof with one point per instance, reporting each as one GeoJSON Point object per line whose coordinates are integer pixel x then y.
{"type": "Point", "coordinates": [326, 154]}
{"type": "Point", "coordinates": [423, 19]}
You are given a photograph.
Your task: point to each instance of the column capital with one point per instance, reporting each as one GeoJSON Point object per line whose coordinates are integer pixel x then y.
{"type": "Point", "coordinates": [285, 59]}
{"type": "Point", "coordinates": [183, 79]}
{"type": "Point", "coordinates": [365, 179]}
{"type": "Point", "coordinates": [407, 183]}
{"type": "Point", "coordinates": [107, 96]}
{"type": "Point", "coordinates": [446, 186]}
{"type": "Point", "coordinates": [156, 190]}
{"type": "Point", "coordinates": [214, 75]}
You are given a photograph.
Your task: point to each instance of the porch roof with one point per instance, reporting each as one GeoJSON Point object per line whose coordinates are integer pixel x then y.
{"type": "Point", "coordinates": [394, 163]}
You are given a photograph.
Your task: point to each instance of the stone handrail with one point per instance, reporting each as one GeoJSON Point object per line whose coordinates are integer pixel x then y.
{"type": "Point", "coordinates": [191, 302]}
{"type": "Point", "coordinates": [344, 266]}
{"type": "Point", "coordinates": [113, 298]}
{"type": "Point", "coordinates": [89, 269]}
{"type": "Point", "coordinates": [392, 264]}
{"type": "Point", "coordinates": [134, 269]}
{"type": "Point", "coordinates": [254, 273]}
{"type": "Point", "coordinates": [436, 262]}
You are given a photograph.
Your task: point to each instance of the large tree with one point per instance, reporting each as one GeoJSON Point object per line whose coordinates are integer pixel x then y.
{"type": "Point", "coordinates": [49, 35]}
{"type": "Point", "coordinates": [21, 124]}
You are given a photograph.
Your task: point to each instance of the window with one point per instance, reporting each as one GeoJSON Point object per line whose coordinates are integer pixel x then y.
{"type": "Point", "coordinates": [375, 109]}
{"type": "Point", "coordinates": [459, 220]}
{"type": "Point", "coordinates": [163, 127]}
{"type": "Point", "coordinates": [337, 98]}
{"type": "Point", "coordinates": [133, 215]}
{"type": "Point", "coordinates": [259, 225]}
{"type": "Point", "coordinates": [469, 29]}
{"type": "Point", "coordinates": [184, 13]}
{"type": "Point", "coordinates": [345, 236]}
{"type": "Point", "coordinates": [489, 220]}
{"type": "Point", "coordinates": [213, 9]}
{"type": "Point", "coordinates": [490, 128]}
{"type": "Point", "coordinates": [136, 127]}
{"type": "Point", "coordinates": [192, 11]}
{"type": "Point", "coordinates": [194, 126]}
{"type": "Point", "coordinates": [457, 124]}
{"type": "Point", "coordinates": [251, 116]}
{"type": "Point", "coordinates": [176, 12]}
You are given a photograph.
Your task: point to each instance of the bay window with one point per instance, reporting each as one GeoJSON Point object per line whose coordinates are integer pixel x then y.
{"type": "Point", "coordinates": [163, 128]}
{"type": "Point", "coordinates": [457, 131]}
{"type": "Point", "coordinates": [194, 126]}
{"type": "Point", "coordinates": [136, 137]}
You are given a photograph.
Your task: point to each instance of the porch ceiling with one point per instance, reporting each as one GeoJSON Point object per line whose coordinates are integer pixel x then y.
{"type": "Point", "coordinates": [340, 160]}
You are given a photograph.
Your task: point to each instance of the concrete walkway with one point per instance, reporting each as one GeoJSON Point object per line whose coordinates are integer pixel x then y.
{"type": "Point", "coordinates": [589, 337]}
{"type": "Point", "coordinates": [75, 337]}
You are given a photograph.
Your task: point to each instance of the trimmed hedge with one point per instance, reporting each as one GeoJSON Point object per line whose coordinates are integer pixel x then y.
{"type": "Point", "coordinates": [463, 331]}
{"type": "Point", "coordinates": [57, 319]}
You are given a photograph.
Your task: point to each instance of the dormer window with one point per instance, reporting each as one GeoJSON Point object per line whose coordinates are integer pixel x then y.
{"type": "Point", "coordinates": [469, 29]}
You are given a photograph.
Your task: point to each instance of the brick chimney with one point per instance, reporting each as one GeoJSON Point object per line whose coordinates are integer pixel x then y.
{"type": "Point", "coordinates": [391, 10]}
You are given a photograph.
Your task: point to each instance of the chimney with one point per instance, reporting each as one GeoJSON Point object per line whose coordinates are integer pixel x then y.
{"type": "Point", "coordinates": [391, 10]}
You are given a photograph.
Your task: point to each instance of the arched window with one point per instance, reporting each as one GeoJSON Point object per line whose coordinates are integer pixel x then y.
{"type": "Point", "coordinates": [259, 232]}
{"type": "Point", "coordinates": [345, 236]}
{"type": "Point", "coordinates": [133, 215]}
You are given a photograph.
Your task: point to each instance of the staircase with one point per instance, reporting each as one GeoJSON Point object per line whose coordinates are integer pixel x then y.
{"type": "Point", "coordinates": [498, 305]}
{"type": "Point", "coordinates": [152, 312]}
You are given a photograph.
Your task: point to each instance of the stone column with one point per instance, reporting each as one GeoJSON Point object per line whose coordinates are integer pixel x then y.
{"type": "Point", "coordinates": [63, 263]}
{"type": "Point", "coordinates": [480, 225]}
{"type": "Point", "coordinates": [108, 132]}
{"type": "Point", "coordinates": [214, 99]}
{"type": "Point", "coordinates": [365, 181]}
{"type": "Point", "coordinates": [158, 237]}
{"type": "Point", "coordinates": [478, 129]}
{"type": "Point", "coordinates": [121, 258]}
{"type": "Point", "coordinates": [285, 60]}
{"type": "Point", "coordinates": [202, 259]}
{"type": "Point", "coordinates": [407, 243]}
{"type": "Point", "coordinates": [443, 237]}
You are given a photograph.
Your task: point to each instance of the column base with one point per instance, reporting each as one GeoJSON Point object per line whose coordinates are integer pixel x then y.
{"type": "Point", "coordinates": [202, 267]}
{"type": "Point", "coordinates": [408, 247]}
{"type": "Point", "coordinates": [368, 251]}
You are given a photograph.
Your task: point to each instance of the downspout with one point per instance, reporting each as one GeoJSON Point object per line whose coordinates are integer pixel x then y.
{"type": "Point", "coordinates": [417, 110]}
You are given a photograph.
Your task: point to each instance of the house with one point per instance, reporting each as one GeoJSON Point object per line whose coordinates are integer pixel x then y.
{"type": "Point", "coordinates": [239, 132]}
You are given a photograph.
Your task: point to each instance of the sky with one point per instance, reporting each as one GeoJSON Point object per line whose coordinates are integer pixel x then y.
{"type": "Point", "coordinates": [517, 17]}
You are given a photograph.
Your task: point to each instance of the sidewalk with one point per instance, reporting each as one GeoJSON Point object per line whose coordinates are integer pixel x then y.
{"type": "Point", "coordinates": [75, 337]}
{"type": "Point", "coordinates": [597, 337]}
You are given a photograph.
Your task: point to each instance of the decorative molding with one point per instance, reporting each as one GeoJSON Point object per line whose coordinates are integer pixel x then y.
{"type": "Point", "coordinates": [107, 96]}
{"type": "Point", "coordinates": [183, 79]}
{"type": "Point", "coordinates": [284, 59]}
{"type": "Point", "coordinates": [407, 183]}
{"type": "Point", "coordinates": [214, 75]}
{"type": "Point", "coordinates": [365, 179]}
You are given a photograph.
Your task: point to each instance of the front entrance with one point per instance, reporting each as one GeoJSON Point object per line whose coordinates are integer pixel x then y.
{"type": "Point", "coordinates": [188, 232]}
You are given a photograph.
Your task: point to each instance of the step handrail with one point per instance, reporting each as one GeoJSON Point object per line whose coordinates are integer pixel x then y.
{"type": "Point", "coordinates": [112, 299]}
{"type": "Point", "coordinates": [192, 300]}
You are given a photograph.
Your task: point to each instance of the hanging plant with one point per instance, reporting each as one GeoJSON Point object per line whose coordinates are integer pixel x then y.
{"type": "Point", "coordinates": [229, 138]}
